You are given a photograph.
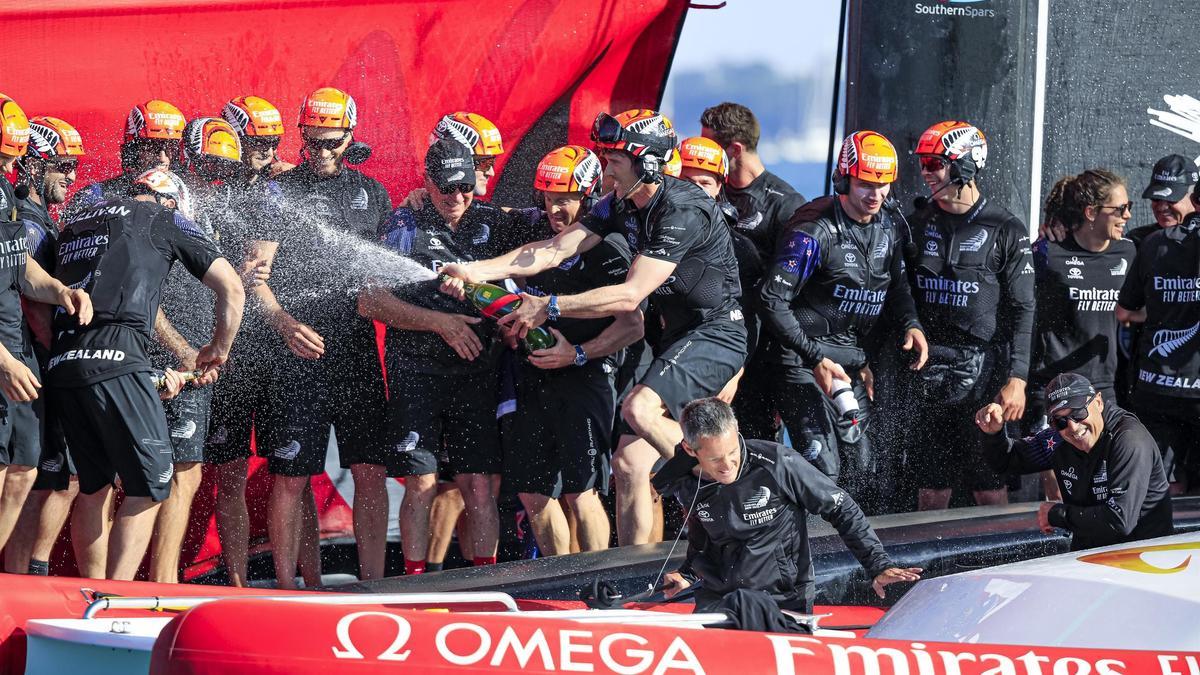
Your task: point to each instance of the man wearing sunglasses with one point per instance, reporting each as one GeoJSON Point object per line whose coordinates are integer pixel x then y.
{"type": "Point", "coordinates": [322, 343]}
{"type": "Point", "coordinates": [260, 126]}
{"type": "Point", "coordinates": [685, 265]}
{"type": "Point", "coordinates": [971, 274]}
{"type": "Point", "coordinates": [153, 138]}
{"type": "Point", "coordinates": [441, 357]}
{"type": "Point", "coordinates": [1108, 467]}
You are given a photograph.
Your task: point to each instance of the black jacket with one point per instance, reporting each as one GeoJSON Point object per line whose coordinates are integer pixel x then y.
{"type": "Point", "coordinates": [753, 533]}
{"type": "Point", "coordinates": [1113, 494]}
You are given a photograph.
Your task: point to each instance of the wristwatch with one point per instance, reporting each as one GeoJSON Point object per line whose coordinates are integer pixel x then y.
{"type": "Point", "coordinates": [581, 357]}
{"type": "Point", "coordinates": [552, 309]}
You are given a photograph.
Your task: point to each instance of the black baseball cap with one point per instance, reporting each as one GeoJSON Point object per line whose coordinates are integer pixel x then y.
{"type": "Point", "coordinates": [1068, 391]}
{"type": "Point", "coordinates": [449, 162]}
{"type": "Point", "coordinates": [1173, 176]}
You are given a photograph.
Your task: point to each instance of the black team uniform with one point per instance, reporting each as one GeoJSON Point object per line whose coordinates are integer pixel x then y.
{"type": "Point", "coordinates": [1075, 327]}
{"type": "Point", "coordinates": [89, 195]}
{"type": "Point", "coordinates": [1113, 494]}
{"type": "Point", "coordinates": [753, 533]}
{"type": "Point", "coordinates": [761, 211]}
{"type": "Point", "coordinates": [972, 279]}
{"type": "Point", "coordinates": [344, 387]}
{"type": "Point", "coordinates": [99, 376]}
{"type": "Point", "coordinates": [246, 212]}
{"type": "Point", "coordinates": [563, 428]}
{"type": "Point", "coordinates": [831, 280]}
{"type": "Point", "coordinates": [1165, 280]}
{"type": "Point", "coordinates": [703, 337]}
{"type": "Point", "coordinates": [441, 405]}
{"type": "Point", "coordinates": [20, 423]}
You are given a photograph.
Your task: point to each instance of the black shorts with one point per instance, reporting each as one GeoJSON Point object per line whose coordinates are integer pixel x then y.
{"type": "Point", "coordinates": [343, 390]}
{"type": "Point", "coordinates": [697, 365]}
{"type": "Point", "coordinates": [1175, 425]}
{"type": "Point", "coordinates": [117, 429]}
{"type": "Point", "coordinates": [238, 397]}
{"type": "Point", "coordinates": [452, 416]}
{"type": "Point", "coordinates": [942, 444]}
{"type": "Point", "coordinates": [21, 427]}
{"type": "Point", "coordinates": [187, 420]}
{"type": "Point", "coordinates": [838, 446]}
{"type": "Point", "coordinates": [56, 466]}
{"type": "Point", "coordinates": [563, 431]}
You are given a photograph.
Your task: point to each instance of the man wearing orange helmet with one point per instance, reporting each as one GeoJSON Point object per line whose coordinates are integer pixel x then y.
{"type": "Point", "coordinates": [260, 126]}
{"type": "Point", "coordinates": [566, 396]}
{"type": "Point", "coordinates": [20, 435]}
{"type": "Point", "coordinates": [836, 270]}
{"type": "Point", "coordinates": [326, 345]}
{"type": "Point", "coordinates": [153, 137]}
{"type": "Point", "coordinates": [685, 265]}
{"type": "Point", "coordinates": [480, 135]}
{"type": "Point", "coordinates": [971, 273]}
{"type": "Point", "coordinates": [764, 203]}
{"type": "Point", "coordinates": [49, 165]}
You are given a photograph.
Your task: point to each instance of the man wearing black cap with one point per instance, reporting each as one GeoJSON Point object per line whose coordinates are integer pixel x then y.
{"type": "Point", "coordinates": [441, 357]}
{"type": "Point", "coordinates": [1174, 177]}
{"type": "Point", "coordinates": [1108, 466]}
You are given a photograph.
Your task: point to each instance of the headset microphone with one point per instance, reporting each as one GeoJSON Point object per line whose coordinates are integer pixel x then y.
{"type": "Point", "coordinates": [921, 202]}
{"type": "Point", "coordinates": [21, 191]}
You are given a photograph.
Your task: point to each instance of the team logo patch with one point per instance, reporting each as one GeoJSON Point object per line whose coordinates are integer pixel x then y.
{"type": "Point", "coordinates": [289, 451]}
{"type": "Point", "coordinates": [974, 242]}
{"type": "Point", "coordinates": [183, 429]}
{"type": "Point", "coordinates": [1074, 273]}
{"type": "Point", "coordinates": [1120, 268]}
{"type": "Point", "coordinates": [409, 443]}
{"type": "Point", "coordinates": [360, 200]}
{"type": "Point", "coordinates": [931, 247]}
{"type": "Point", "coordinates": [166, 473]}
{"type": "Point", "coordinates": [1167, 341]}
{"type": "Point", "coordinates": [759, 499]}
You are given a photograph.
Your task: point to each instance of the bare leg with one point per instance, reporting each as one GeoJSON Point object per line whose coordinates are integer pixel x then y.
{"type": "Point", "coordinates": [419, 492]}
{"type": "Point", "coordinates": [233, 518]}
{"type": "Point", "coordinates": [310, 538]}
{"type": "Point", "coordinates": [647, 414]}
{"type": "Point", "coordinates": [131, 536]}
{"type": "Point", "coordinates": [18, 480]}
{"type": "Point", "coordinates": [171, 525]}
{"type": "Point", "coordinates": [548, 522]}
{"type": "Point", "coordinates": [991, 497]}
{"type": "Point", "coordinates": [370, 518]}
{"type": "Point", "coordinates": [482, 517]}
{"type": "Point", "coordinates": [283, 526]}
{"type": "Point", "coordinates": [447, 508]}
{"type": "Point", "coordinates": [572, 522]}
{"type": "Point", "coordinates": [55, 512]}
{"type": "Point", "coordinates": [933, 500]}
{"type": "Point", "coordinates": [593, 526]}
{"type": "Point", "coordinates": [20, 544]}
{"type": "Point", "coordinates": [91, 523]}
{"type": "Point", "coordinates": [631, 466]}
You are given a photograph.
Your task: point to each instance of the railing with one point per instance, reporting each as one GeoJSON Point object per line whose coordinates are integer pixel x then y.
{"type": "Point", "coordinates": [163, 603]}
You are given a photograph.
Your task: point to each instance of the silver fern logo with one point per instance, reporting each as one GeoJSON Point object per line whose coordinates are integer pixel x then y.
{"type": "Point", "coordinates": [974, 242]}
{"type": "Point", "coordinates": [1167, 341]}
{"type": "Point", "coordinates": [759, 499]}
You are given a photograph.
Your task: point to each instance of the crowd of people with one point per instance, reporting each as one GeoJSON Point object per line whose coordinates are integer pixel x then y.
{"type": "Point", "coordinates": [657, 279]}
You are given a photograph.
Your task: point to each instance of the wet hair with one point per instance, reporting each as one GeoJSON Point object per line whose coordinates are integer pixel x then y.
{"type": "Point", "coordinates": [732, 123]}
{"type": "Point", "coordinates": [706, 418]}
{"type": "Point", "coordinates": [1071, 195]}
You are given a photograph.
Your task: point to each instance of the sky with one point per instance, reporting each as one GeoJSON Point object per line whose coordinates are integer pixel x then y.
{"type": "Point", "coordinates": [792, 35]}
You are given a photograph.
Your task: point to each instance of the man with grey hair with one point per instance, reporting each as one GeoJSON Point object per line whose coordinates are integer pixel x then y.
{"type": "Point", "coordinates": [748, 502]}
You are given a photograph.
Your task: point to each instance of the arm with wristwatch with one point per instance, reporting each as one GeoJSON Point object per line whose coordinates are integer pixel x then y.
{"type": "Point", "coordinates": [626, 329]}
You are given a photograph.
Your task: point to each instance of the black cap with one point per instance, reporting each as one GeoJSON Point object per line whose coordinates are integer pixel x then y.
{"type": "Point", "coordinates": [1068, 391]}
{"type": "Point", "coordinates": [449, 162]}
{"type": "Point", "coordinates": [1173, 176]}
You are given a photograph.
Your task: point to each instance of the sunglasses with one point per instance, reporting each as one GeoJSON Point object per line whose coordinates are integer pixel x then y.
{"type": "Point", "coordinates": [326, 143]}
{"type": "Point", "coordinates": [1127, 207]}
{"type": "Point", "coordinates": [63, 166]}
{"type": "Point", "coordinates": [456, 187]}
{"type": "Point", "coordinates": [253, 143]}
{"type": "Point", "coordinates": [1077, 414]}
{"type": "Point", "coordinates": [157, 145]}
{"type": "Point", "coordinates": [932, 164]}
{"type": "Point", "coordinates": [606, 129]}
{"type": "Point", "coordinates": [484, 163]}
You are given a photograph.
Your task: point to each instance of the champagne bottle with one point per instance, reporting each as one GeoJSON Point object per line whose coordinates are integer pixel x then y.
{"type": "Point", "coordinates": [494, 302]}
{"type": "Point", "coordinates": [160, 378]}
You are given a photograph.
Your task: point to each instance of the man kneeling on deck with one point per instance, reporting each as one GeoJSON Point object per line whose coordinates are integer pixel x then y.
{"type": "Point", "coordinates": [747, 502]}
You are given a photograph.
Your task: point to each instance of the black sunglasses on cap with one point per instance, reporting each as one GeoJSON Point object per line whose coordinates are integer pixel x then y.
{"type": "Point", "coordinates": [606, 129]}
{"type": "Point", "coordinates": [1077, 414]}
{"type": "Point", "coordinates": [464, 188]}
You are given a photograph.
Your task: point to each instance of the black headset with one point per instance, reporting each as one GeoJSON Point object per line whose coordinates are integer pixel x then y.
{"type": "Point", "coordinates": [841, 183]}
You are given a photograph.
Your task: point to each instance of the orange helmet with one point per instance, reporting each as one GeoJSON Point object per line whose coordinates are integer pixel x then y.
{"type": "Point", "coordinates": [868, 156]}
{"type": "Point", "coordinates": [472, 130]}
{"type": "Point", "coordinates": [329, 108]}
{"type": "Point", "coordinates": [639, 132]}
{"type": "Point", "coordinates": [704, 154]}
{"type": "Point", "coordinates": [154, 119]}
{"type": "Point", "coordinates": [253, 116]}
{"type": "Point", "coordinates": [674, 165]}
{"type": "Point", "coordinates": [211, 147]}
{"type": "Point", "coordinates": [571, 168]}
{"type": "Point", "coordinates": [50, 137]}
{"type": "Point", "coordinates": [961, 144]}
{"type": "Point", "coordinates": [14, 137]}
